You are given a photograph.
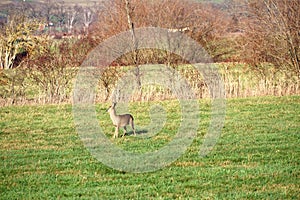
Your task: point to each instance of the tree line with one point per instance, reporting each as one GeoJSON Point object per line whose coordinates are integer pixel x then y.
{"type": "Point", "coordinates": [54, 16]}
{"type": "Point", "coordinates": [259, 33]}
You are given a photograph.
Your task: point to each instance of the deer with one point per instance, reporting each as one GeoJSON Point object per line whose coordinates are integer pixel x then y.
{"type": "Point", "coordinates": [120, 121]}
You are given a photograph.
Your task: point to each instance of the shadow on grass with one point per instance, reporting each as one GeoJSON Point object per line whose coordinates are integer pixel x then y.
{"type": "Point", "coordinates": [138, 132]}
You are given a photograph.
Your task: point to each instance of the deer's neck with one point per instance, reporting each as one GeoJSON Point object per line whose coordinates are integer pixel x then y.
{"type": "Point", "coordinates": [113, 117]}
{"type": "Point", "coordinates": [113, 113]}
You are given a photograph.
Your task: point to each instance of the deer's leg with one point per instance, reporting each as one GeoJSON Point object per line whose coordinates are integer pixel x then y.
{"type": "Point", "coordinates": [125, 131]}
{"type": "Point", "coordinates": [116, 132]}
{"type": "Point", "coordinates": [132, 126]}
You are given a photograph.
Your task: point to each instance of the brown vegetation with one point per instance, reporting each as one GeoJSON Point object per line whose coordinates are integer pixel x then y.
{"type": "Point", "coordinates": [272, 34]}
{"type": "Point", "coordinates": [256, 44]}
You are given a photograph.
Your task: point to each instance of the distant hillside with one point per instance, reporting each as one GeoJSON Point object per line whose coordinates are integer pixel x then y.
{"type": "Point", "coordinates": [81, 2]}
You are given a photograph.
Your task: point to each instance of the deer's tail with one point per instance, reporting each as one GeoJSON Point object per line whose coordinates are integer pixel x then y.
{"type": "Point", "coordinates": [132, 123]}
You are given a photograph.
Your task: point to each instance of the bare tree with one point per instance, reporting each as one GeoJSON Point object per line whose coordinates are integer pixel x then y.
{"type": "Point", "coordinates": [203, 22]}
{"type": "Point", "coordinates": [72, 15]}
{"type": "Point", "coordinates": [88, 16]}
{"type": "Point", "coordinates": [137, 72]}
{"type": "Point", "coordinates": [272, 34]}
{"type": "Point", "coordinates": [111, 20]}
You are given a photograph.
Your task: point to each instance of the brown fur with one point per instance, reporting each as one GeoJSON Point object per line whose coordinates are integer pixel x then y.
{"type": "Point", "coordinates": [120, 121]}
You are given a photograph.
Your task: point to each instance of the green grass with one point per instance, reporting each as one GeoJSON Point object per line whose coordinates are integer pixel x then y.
{"type": "Point", "coordinates": [257, 156]}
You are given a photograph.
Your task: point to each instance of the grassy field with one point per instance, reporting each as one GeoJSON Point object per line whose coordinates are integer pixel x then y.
{"type": "Point", "coordinates": [257, 156]}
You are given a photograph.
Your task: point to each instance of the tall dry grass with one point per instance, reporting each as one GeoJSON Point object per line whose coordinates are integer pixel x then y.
{"type": "Point", "coordinates": [240, 80]}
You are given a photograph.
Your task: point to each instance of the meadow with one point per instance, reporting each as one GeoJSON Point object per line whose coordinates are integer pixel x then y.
{"type": "Point", "coordinates": [256, 157]}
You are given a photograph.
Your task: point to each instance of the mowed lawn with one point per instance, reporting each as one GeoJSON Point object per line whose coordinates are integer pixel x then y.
{"type": "Point", "coordinates": [256, 157]}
